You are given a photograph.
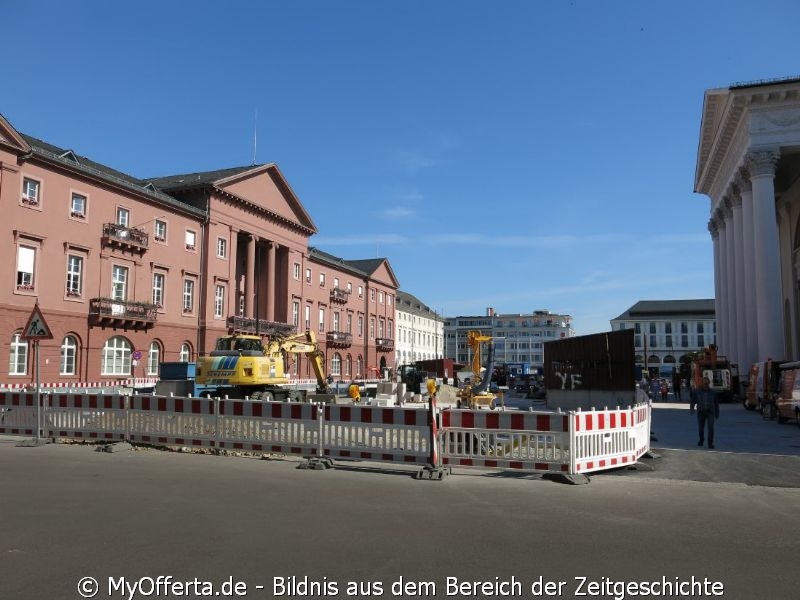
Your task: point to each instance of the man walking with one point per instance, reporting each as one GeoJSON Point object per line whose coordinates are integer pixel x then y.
{"type": "Point", "coordinates": [707, 410]}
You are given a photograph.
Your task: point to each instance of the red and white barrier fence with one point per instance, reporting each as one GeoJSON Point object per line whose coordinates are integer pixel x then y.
{"type": "Point", "coordinates": [571, 443]}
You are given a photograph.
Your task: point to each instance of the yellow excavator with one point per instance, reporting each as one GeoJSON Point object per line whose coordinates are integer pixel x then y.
{"type": "Point", "coordinates": [476, 394]}
{"type": "Point", "coordinates": [240, 366]}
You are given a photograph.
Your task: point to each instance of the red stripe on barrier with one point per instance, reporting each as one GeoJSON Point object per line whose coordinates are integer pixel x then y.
{"type": "Point", "coordinates": [623, 419]}
{"type": "Point", "coordinates": [387, 416]}
{"type": "Point", "coordinates": [465, 462]}
{"type": "Point", "coordinates": [238, 409]}
{"type": "Point", "coordinates": [196, 409]}
{"type": "Point", "coordinates": [492, 421]}
{"type": "Point", "coordinates": [258, 409]}
{"type": "Point", "coordinates": [518, 421]}
{"type": "Point", "coordinates": [490, 463]}
{"type": "Point", "coordinates": [365, 415]}
{"type": "Point", "coordinates": [601, 421]}
{"type": "Point", "coordinates": [276, 411]}
{"type": "Point", "coordinates": [410, 417]}
{"type": "Point", "coordinates": [613, 420]}
{"type": "Point", "coordinates": [162, 405]}
{"type": "Point", "coordinates": [468, 420]}
{"type": "Point", "coordinates": [409, 459]}
{"type": "Point", "coordinates": [515, 465]}
{"type": "Point", "coordinates": [446, 418]}
{"type": "Point", "coordinates": [344, 413]}
{"type": "Point", "coordinates": [542, 423]}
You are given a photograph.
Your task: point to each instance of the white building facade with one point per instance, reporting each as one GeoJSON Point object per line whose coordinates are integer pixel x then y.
{"type": "Point", "coordinates": [419, 331]}
{"type": "Point", "coordinates": [518, 338]}
{"type": "Point", "coordinates": [748, 164]}
{"type": "Point", "coordinates": [667, 330]}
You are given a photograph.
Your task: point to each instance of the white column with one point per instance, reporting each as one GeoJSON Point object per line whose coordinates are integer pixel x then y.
{"type": "Point", "coordinates": [769, 312]}
{"type": "Point", "coordinates": [738, 259]}
{"type": "Point", "coordinates": [250, 278]}
{"type": "Point", "coordinates": [751, 334]}
{"type": "Point", "coordinates": [714, 231]}
{"type": "Point", "coordinates": [722, 299]}
{"type": "Point", "coordinates": [730, 266]}
{"type": "Point", "coordinates": [271, 281]}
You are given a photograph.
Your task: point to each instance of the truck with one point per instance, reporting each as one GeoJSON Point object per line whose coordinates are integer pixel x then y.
{"type": "Point", "coordinates": [763, 386]}
{"type": "Point", "coordinates": [240, 366]}
{"type": "Point", "coordinates": [721, 373]}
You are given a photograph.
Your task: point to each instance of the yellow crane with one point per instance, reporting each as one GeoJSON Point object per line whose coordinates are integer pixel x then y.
{"type": "Point", "coordinates": [476, 394]}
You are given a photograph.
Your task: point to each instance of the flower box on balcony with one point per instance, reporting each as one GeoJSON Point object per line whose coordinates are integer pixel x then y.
{"type": "Point", "coordinates": [25, 287]}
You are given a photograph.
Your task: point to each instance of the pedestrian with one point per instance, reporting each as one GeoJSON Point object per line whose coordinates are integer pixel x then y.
{"type": "Point", "coordinates": [707, 411]}
{"type": "Point", "coordinates": [664, 390]}
{"type": "Point", "coordinates": [676, 385]}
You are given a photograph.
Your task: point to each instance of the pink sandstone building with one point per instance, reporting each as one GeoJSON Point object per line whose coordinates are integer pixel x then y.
{"type": "Point", "coordinates": [159, 268]}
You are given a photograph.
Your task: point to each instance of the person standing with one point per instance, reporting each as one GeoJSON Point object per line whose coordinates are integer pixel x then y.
{"type": "Point", "coordinates": [676, 385]}
{"type": "Point", "coordinates": [707, 411]}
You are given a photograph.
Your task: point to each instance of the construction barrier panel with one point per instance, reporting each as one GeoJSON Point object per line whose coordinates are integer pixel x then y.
{"type": "Point", "coordinates": [609, 438]}
{"type": "Point", "coordinates": [17, 413]}
{"type": "Point", "coordinates": [533, 441]}
{"type": "Point", "coordinates": [172, 421]}
{"type": "Point", "coordinates": [286, 427]}
{"type": "Point", "coordinates": [85, 416]}
{"type": "Point", "coordinates": [377, 433]}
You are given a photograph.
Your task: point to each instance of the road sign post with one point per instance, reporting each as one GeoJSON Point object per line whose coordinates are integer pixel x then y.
{"type": "Point", "coordinates": [37, 329]}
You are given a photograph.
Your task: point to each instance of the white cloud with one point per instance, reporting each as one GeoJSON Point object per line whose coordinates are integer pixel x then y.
{"type": "Point", "coordinates": [397, 212]}
{"type": "Point", "coordinates": [388, 239]}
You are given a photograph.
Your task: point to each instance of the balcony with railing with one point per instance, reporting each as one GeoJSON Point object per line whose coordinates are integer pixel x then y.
{"type": "Point", "coordinates": [384, 343]}
{"type": "Point", "coordinates": [252, 326]}
{"type": "Point", "coordinates": [125, 238]}
{"type": "Point", "coordinates": [122, 314]}
{"type": "Point", "coordinates": [339, 295]}
{"type": "Point", "coordinates": [339, 338]}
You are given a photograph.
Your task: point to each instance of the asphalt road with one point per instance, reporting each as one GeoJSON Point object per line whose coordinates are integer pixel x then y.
{"type": "Point", "coordinates": [730, 515]}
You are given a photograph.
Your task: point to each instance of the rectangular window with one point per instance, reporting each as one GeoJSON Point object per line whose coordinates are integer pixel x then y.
{"type": "Point", "coordinates": [30, 192]}
{"type": "Point", "coordinates": [349, 323]}
{"type": "Point", "coordinates": [637, 328]}
{"type": "Point", "coordinates": [684, 341]}
{"type": "Point", "coordinates": [26, 259]}
{"type": "Point", "coordinates": [308, 317]}
{"type": "Point", "coordinates": [336, 282]}
{"type": "Point", "coordinates": [18, 356]}
{"type": "Point", "coordinates": [667, 327]}
{"type": "Point", "coordinates": [158, 289]}
{"type": "Point", "coordinates": [322, 320]}
{"type": "Point", "coordinates": [74, 275]}
{"type": "Point", "coordinates": [653, 342]}
{"type": "Point", "coordinates": [360, 292]}
{"type": "Point", "coordinates": [296, 271]}
{"type": "Point", "coordinates": [652, 327]}
{"type": "Point", "coordinates": [372, 295]}
{"type": "Point", "coordinates": [372, 328]}
{"type": "Point", "coordinates": [188, 295]}
{"type": "Point", "coordinates": [336, 318]}
{"type": "Point", "coordinates": [380, 297]}
{"type": "Point", "coordinates": [123, 216]}
{"type": "Point", "coordinates": [160, 231]}
{"type": "Point", "coordinates": [701, 340]}
{"type": "Point", "coordinates": [360, 326]}
{"type": "Point", "coordinates": [684, 328]}
{"type": "Point", "coordinates": [77, 206]}
{"type": "Point", "coordinates": [119, 283]}
{"type": "Point", "coordinates": [222, 248]}
{"type": "Point", "coordinates": [700, 330]}
{"type": "Point", "coordinates": [296, 313]}
{"type": "Point", "coordinates": [322, 280]}
{"type": "Point", "coordinates": [381, 326]}
{"type": "Point", "coordinates": [349, 287]}
{"type": "Point", "coordinates": [219, 301]}
{"type": "Point", "coordinates": [668, 341]}
{"type": "Point", "coordinates": [308, 275]}
{"type": "Point", "coordinates": [637, 341]}
{"type": "Point", "coordinates": [191, 240]}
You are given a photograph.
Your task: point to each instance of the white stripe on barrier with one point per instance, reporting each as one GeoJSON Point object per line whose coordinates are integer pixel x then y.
{"type": "Point", "coordinates": [18, 413]}
{"type": "Point", "coordinates": [172, 421]}
{"type": "Point", "coordinates": [285, 427]}
{"type": "Point", "coordinates": [85, 416]}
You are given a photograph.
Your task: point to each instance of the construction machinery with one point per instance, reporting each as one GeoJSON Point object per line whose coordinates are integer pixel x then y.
{"type": "Point", "coordinates": [240, 366]}
{"type": "Point", "coordinates": [476, 394]}
{"type": "Point", "coordinates": [722, 375]}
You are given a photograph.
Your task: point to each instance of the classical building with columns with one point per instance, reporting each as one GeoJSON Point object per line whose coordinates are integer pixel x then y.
{"type": "Point", "coordinates": [130, 272]}
{"type": "Point", "coordinates": [748, 164]}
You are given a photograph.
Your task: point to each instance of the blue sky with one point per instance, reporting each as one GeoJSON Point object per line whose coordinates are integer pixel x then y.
{"type": "Point", "coordinates": [515, 155]}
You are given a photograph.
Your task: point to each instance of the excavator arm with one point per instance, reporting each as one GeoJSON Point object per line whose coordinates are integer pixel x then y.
{"type": "Point", "coordinates": [304, 343]}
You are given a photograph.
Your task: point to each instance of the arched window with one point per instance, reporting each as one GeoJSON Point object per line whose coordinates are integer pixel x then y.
{"type": "Point", "coordinates": [336, 364]}
{"type": "Point", "coordinates": [186, 352]}
{"type": "Point", "coordinates": [360, 367]}
{"type": "Point", "coordinates": [18, 355]}
{"type": "Point", "coordinates": [669, 359]}
{"type": "Point", "coordinates": [653, 360]}
{"type": "Point", "coordinates": [69, 356]}
{"type": "Point", "coordinates": [153, 358]}
{"type": "Point", "coordinates": [116, 356]}
{"type": "Point", "coordinates": [348, 366]}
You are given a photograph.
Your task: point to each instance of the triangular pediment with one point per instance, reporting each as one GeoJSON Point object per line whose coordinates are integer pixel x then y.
{"type": "Point", "coordinates": [265, 187]}
{"type": "Point", "coordinates": [10, 137]}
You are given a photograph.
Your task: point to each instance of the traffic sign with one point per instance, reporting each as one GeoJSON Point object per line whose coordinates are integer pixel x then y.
{"type": "Point", "coordinates": [36, 328]}
{"type": "Point", "coordinates": [137, 355]}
